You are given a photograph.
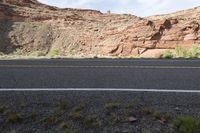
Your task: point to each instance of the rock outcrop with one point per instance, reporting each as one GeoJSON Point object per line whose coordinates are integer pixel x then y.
{"type": "Point", "coordinates": [34, 27]}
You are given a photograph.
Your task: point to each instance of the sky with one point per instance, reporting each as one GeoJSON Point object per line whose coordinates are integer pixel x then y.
{"type": "Point", "coordinates": [136, 7]}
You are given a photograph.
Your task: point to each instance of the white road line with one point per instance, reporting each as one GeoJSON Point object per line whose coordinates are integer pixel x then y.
{"type": "Point", "coordinates": [101, 89]}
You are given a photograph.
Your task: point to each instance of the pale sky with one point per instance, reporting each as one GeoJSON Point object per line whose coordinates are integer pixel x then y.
{"type": "Point", "coordinates": [135, 7]}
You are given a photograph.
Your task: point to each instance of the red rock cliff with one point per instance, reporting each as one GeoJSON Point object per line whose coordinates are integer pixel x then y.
{"type": "Point", "coordinates": [32, 26]}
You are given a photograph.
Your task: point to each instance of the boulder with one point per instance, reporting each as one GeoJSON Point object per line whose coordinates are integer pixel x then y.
{"type": "Point", "coordinates": [153, 53]}
{"type": "Point", "coordinates": [190, 37]}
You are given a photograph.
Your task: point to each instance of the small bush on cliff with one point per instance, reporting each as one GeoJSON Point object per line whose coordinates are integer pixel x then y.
{"type": "Point", "coordinates": [167, 54]}
{"type": "Point", "coordinates": [18, 51]}
{"type": "Point", "coordinates": [181, 52]}
{"type": "Point", "coordinates": [195, 51]}
{"type": "Point", "coordinates": [1, 53]}
{"type": "Point", "coordinates": [53, 52]}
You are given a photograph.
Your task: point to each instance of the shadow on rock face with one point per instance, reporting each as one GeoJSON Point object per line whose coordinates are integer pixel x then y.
{"type": "Point", "coordinates": [6, 46]}
{"type": "Point", "coordinates": [6, 24]}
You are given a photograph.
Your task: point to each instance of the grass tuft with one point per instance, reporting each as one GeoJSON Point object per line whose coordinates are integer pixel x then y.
{"type": "Point", "coordinates": [53, 52]}
{"type": "Point", "coordinates": [167, 54]}
{"type": "Point", "coordinates": [181, 52]}
{"type": "Point", "coordinates": [63, 125]}
{"type": "Point", "coordinates": [92, 122]}
{"type": "Point", "coordinates": [195, 51]}
{"type": "Point", "coordinates": [80, 107]}
{"type": "Point", "coordinates": [12, 131]}
{"type": "Point", "coordinates": [131, 105]}
{"type": "Point", "coordinates": [70, 130]}
{"type": "Point", "coordinates": [186, 124]}
{"type": "Point", "coordinates": [157, 115]}
{"type": "Point", "coordinates": [114, 118]}
{"type": "Point", "coordinates": [34, 114]}
{"type": "Point", "coordinates": [18, 51]}
{"type": "Point", "coordinates": [75, 115]}
{"type": "Point", "coordinates": [13, 117]}
{"type": "Point", "coordinates": [50, 119]}
{"type": "Point", "coordinates": [146, 111]}
{"type": "Point", "coordinates": [62, 105]}
{"type": "Point", "coordinates": [3, 109]}
{"type": "Point", "coordinates": [112, 106]}
{"type": "Point", "coordinates": [145, 130]}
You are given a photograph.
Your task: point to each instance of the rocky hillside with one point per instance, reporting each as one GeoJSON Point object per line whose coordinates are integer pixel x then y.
{"type": "Point", "coordinates": [29, 27]}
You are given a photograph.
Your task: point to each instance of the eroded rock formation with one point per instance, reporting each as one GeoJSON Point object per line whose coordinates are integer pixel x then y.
{"type": "Point", "coordinates": [32, 26]}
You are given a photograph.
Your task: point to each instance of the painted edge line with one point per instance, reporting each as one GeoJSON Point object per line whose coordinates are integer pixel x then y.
{"type": "Point", "coordinates": [101, 89]}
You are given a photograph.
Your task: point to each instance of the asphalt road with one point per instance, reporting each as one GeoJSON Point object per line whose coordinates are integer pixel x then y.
{"type": "Point", "coordinates": [120, 74]}
{"type": "Point", "coordinates": [101, 73]}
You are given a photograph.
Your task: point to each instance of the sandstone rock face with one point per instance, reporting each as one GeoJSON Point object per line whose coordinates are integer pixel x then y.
{"type": "Point", "coordinates": [32, 26]}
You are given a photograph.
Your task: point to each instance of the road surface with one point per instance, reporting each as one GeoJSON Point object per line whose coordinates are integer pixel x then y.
{"type": "Point", "coordinates": [101, 73]}
{"type": "Point", "coordinates": [167, 86]}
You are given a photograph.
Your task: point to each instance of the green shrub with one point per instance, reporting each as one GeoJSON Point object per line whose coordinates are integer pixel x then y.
{"type": "Point", "coordinates": [131, 105]}
{"type": "Point", "coordinates": [157, 115]}
{"type": "Point", "coordinates": [1, 53]}
{"type": "Point", "coordinates": [168, 117]}
{"type": "Point", "coordinates": [12, 131]}
{"type": "Point", "coordinates": [127, 131]}
{"type": "Point", "coordinates": [146, 111]}
{"type": "Point", "coordinates": [18, 51]}
{"type": "Point", "coordinates": [75, 115]}
{"type": "Point", "coordinates": [129, 112]}
{"type": "Point", "coordinates": [95, 57]}
{"type": "Point", "coordinates": [181, 52]}
{"type": "Point", "coordinates": [195, 51]}
{"type": "Point", "coordinates": [70, 130]}
{"type": "Point", "coordinates": [92, 121]}
{"type": "Point", "coordinates": [50, 119]}
{"type": "Point", "coordinates": [67, 127]}
{"type": "Point", "coordinates": [79, 107]}
{"type": "Point", "coordinates": [112, 106]}
{"type": "Point", "coordinates": [63, 125]}
{"type": "Point", "coordinates": [145, 130]}
{"type": "Point", "coordinates": [167, 54]}
{"type": "Point", "coordinates": [186, 124]}
{"type": "Point", "coordinates": [34, 114]}
{"type": "Point", "coordinates": [23, 105]}
{"type": "Point", "coordinates": [114, 118]}
{"type": "Point", "coordinates": [13, 117]}
{"type": "Point", "coordinates": [2, 109]}
{"type": "Point", "coordinates": [62, 105]}
{"type": "Point", "coordinates": [53, 52]}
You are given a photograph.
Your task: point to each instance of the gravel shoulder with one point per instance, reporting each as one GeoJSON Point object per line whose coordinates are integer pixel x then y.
{"type": "Point", "coordinates": [87, 112]}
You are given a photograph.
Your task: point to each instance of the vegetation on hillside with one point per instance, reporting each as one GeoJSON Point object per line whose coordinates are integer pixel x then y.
{"type": "Point", "coordinates": [181, 52]}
